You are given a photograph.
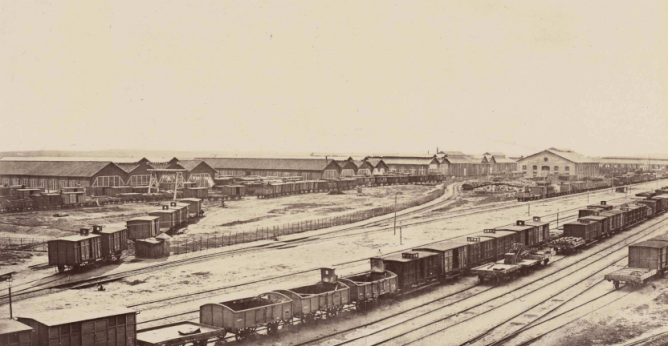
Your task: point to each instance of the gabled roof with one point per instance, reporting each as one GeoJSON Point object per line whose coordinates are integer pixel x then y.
{"type": "Point", "coordinates": [496, 154]}
{"type": "Point", "coordinates": [302, 164]}
{"type": "Point", "coordinates": [567, 155]}
{"type": "Point", "coordinates": [458, 160]}
{"type": "Point", "coordinates": [127, 166]}
{"type": "Point", "coordinates": [376, 162]}
{"type": "Point", "coordinates": [85, 169]}
{"type": "Point", "coordinates": [192, 164]}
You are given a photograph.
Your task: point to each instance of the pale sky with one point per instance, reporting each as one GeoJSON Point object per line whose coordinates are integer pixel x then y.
{"type": "Point", "coordinates": [335, 76]}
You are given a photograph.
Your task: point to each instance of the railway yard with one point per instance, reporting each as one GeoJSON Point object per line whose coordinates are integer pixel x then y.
{"type": "Point", "coordinates": [570, 294]}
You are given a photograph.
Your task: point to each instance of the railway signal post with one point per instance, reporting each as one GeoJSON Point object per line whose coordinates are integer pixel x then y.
{"type": "Point", "coordinates": [8, 277]}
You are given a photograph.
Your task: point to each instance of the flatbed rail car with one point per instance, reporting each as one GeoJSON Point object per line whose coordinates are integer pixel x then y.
{"type": "Point", "coordinates": [180, 333]}
{"type": "Point", "coordinates": [647, 259]}
{"type": "Point", "coordinates": [324, 299]}
{"type": "Point", "coordinates": [517, 261]}
{"type": "Point", "coordinates": [567, 245]}
{"type": "Point", "coordinates": [242, 317]}
{"type": "Point", "coordinates": [369, 287]}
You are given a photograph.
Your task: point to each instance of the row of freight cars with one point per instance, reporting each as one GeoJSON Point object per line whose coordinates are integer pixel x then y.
{"type": "Point", "coordinates": [544, 190]}
{"type": "Point", "coordinates": [493, 255]}
{"type": "Point", "coordinates": [106, 244]}
{"type": "Point", "coordinates": [309, 186]}
{"type": "Point", "coordinates": [19, 198]}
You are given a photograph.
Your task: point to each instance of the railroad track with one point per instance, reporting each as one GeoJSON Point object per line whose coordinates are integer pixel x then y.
{"type": "Point", "coordinates": [383, 331]}
{"type": "Point", "coordinates": [332, 235]}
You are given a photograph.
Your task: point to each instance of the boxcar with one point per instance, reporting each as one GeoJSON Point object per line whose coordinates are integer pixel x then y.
{"type": "Point", "coordinates": [662, 203]}
{"type": "Point", "coordinates": [183, 211]}
{"type": "Point", "coordinates": [14, 333]}
{"type": "Point", "coordinates": [603, 220]}
{"type": "Point", "coordinates": [167, 217]}
{"type": "Point", "coordinates": [650, 254]}
{"type": "Point", "coordinates": [413, 268]}
{"type": "Point", "coordinates": [543, 229]}
{"type": "Point", "coordinates": [242, 317]}
{"type": "Point", "coordinates": [372, 285]}
{"type": "Point", "coordinates": [503, 241]}
{"type": "Point", "coordinates": [75, 251]}
{"type": "Point", "coordinates": [528, 234]}
{"type": "Point", "coordinates": [481, 249]}
{"type": "Point", "coordinates": [587, 231]}
{"type": "Point", "coordinates": [76, 328]}
{"type": "Point", "coordinates": [196, 192]}
{"type": "Point", "coordinates": [452, 255]}
{"type": "Point", "coordinates": [114, 241]}
{"type": "Point", "coordinates": [327, 297]}
{"type": "Point", "coordinates": [194, 206]}
{"type": "Point", "coordinates": [616, 220]}
{"type": "Point", "coordinates": [143, 227]}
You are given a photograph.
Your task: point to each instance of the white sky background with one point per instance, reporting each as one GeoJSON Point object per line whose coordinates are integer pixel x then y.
{"type": "Point", "coordinates": [337, 76]}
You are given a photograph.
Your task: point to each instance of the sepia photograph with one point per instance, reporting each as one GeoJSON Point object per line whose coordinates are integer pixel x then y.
{"type": "Point", "coordinates": [330, 173]}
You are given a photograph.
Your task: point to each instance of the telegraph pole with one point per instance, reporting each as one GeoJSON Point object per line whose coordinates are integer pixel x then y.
{"type": "Point", "coordinates": [395, 214]}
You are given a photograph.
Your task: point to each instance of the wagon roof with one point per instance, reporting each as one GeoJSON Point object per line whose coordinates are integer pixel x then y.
{"type": "Point", "coordinates": [398, 257]}
{"type": "Point", "coordinates": [54, 168]}
{"type": "Point", "coordinates": [497, 234]}
{"type": "Point", "coordinates": [112, 229]}
{"type": "Point", "coordinates": [78, 237]}
{"type": "Point", "coordinates": [663, 237]}
{"type": "Point", "coordinates": [594, 217]}
{"type": "Point", "coordinates": [65, 316]}
{"type": "Point", "coordinates": [11, 326]}
{"type": "Point", "coordinates": [193, 199]}
{"type": "Point", "coordinates": [442, 246]}
{"type": "Point", "coordinates": [144, 218]}
{"type": "Point", "coordinates": [163, 211]}
{"type": "Point", "coordinates": [657, 244]}
{"type": "Point", "coordinates": [515, 228]}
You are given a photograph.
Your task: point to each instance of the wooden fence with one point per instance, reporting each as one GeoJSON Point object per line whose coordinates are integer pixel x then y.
{"type": "Point", "coordinates": [191, 244]}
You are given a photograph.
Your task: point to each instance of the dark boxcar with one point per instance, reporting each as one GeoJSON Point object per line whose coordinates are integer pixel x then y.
{"type": "Point", "coordinates": [372, 285]}
{"type": "Point", "coordinates": [504, 241]}
{"type": "Point", "coordinates": [602, 206]}
{"type": "Point", "coordinates": [542, 229]}
{"type": "Point", "coordinates": [167, 217]}
{"type": "Point", "coordinates": [453, 255]}
{"type": "Point", "coordinates": [587, 231]}
{"type": "Point", "coordinates": [615, 218]}
{"type": "Point", "coordinates": [143, 227]}
{"type": "Point", "coordinates": [603, 220]}
{"type": "Point", "coordinates": [662, 203]}
{"type": "Point", "coordinates": [528, 234]}
{"type": "Point", "coordinates": [14, 333]}
{"type": "Point", "coordinates": [587, 212]}
{"type": "Point", "coordinates": [652, 204]}
{"type": "Point", "coordinates": [76, 328]}
{"type": "Point", "coordinates": [194, 206]}
{"type": "Point", "coordinates": [75, 251]}
{"type": "Point", "coordinates": [114, 241]}
{"type": "Point", "coordinates": [414, 268]}
{"type": "Point", "coordinates": [481, 249]}
{"type": "Point", "coordinates": [649, 254]}
{"type": "Point", "coordinates": [327, 296]}
{"type": "Point", "coordinates": [196, 192]}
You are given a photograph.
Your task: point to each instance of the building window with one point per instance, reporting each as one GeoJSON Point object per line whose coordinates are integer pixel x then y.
{"type": "Point", "coordinates": [567, 168]}
{"type": "Point", "coordinates": [545, 159]}
{"type": "Point", "coordinates": [556, 168]}
{"type": "Point", "coordinates": [524, 167]}
{"type": "Point", "coordinates": [139, 180]}
{"type": "Point", "coordinates": [535, 168]}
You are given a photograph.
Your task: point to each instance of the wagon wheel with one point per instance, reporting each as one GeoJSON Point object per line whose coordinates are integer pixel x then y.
{"type": "Point", "coordinates": [200, 342]}
{"type": "Point", "coordinates": [241, 335]}
{"type": "Point", "coordinates": [272, 328]}
{"type": "Point", "coordinates": [331, 313]}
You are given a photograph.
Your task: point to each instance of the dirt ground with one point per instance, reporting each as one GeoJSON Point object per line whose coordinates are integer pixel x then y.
{"type": "Point", "coordinates": [236, 216]}
{"type": "Point", "coordinates": [636, 316]}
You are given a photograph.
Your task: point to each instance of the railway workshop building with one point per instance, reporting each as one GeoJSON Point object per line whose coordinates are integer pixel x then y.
{"type": "Point", "coordinates": [499, 163]}
{"type": "Point", "coordinates": [411, 164]}
{"type": "Point", "coordinates": [620, 164]}
{"type": "Point", "coordinates": [364, 167]}
{"type": "Point", "coordinates": [307, 168]}
{"type": "Point", "coordinates": [54, 175]}
{"type": "Point", "coordinates": [558, 161]}
{"type": "Point", "coordinates": [379, 166]}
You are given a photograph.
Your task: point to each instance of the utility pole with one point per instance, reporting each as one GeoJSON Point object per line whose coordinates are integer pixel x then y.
{"type": "Point", "coordinates": [557, 218]}
{"type": "Point", "coordinates": [401, 235]}
{"type": "Point", "coordinates": [395, 214]}
{"type": "Point", "coordinates": [528, 208]}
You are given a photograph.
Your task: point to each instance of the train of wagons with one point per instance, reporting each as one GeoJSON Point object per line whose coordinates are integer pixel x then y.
{"type": "Point", "coordinates": [494, 255]}
{"type": "Point", "coordinates": [106, 244]}
{"type": "Point", "coordinates": [545, 189]}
